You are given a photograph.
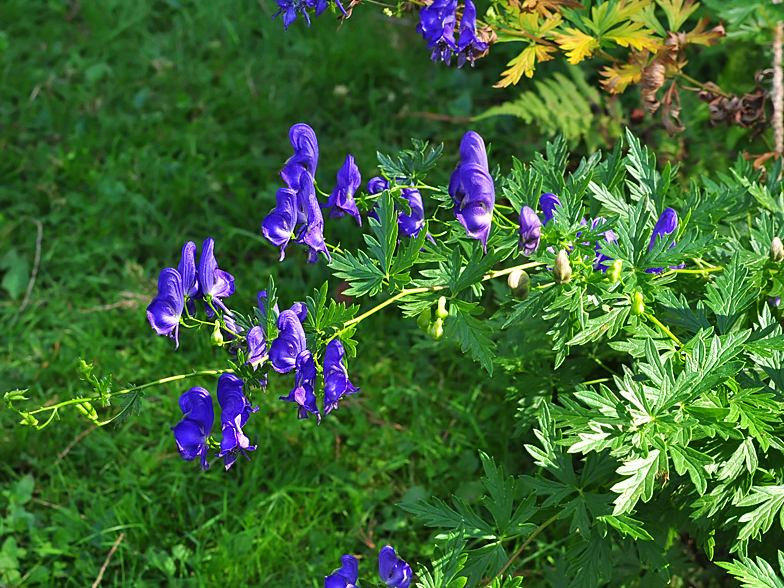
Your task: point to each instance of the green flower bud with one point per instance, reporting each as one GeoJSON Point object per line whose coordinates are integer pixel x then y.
{"type": "Point", "coordinates": [87, 410]}
{"type": "Point", "coordinates": [28, 419]}
{"type": "Point", "coordinates": [437, 329]}
{"type": "Point", "coordinates": [217, 336]}
{"type": "Point", "coordinates": [423, 320]}
{"type": "Point", "coordinates": [614, 271]}
{"type": "Point", "coordinates": [638, 306]}
{"type": "Point", "coordinates": [441, 311]}
{"type": "Point", "coordinates": [776, 250]}
{"type": "Point", "coordinates": [520, 284]}
{"type": "Point", "coordinates": [562, 271]}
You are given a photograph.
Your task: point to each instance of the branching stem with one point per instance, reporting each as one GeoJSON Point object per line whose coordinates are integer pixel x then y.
{"type": "Point", "coordinates": [525, 544]}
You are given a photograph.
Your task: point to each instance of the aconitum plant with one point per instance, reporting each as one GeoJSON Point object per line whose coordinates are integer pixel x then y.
{"type": "Point", "coordinates": [651, 325]}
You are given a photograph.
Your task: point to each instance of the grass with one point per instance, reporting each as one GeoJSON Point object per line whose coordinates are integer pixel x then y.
{"type": "Point", "coordinates": [132, 127]}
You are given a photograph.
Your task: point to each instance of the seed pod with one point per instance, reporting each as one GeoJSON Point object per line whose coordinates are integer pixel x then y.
{"type": "Point", "coordinates": [776, 250]}
{"type": "Point", "coordinates": [441, 310]}
{"type": "Point", "coordinates": [520, 284]}
{"type": "Point", "coordinates": [217, 336]}
{"type": "Point", "coordinates": [423, 320]}
{"type": "Point", "coordinates": [562, 271]}
{"type": "Point", "coordinates": [437, 329]}
{"type": "Point", "coordinates": [614, 271]}
{"type": "Point", "coordinates": [638, 306]}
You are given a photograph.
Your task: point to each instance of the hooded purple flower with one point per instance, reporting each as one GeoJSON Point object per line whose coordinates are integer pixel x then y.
{"type": "Point", "coordinates": [548, 202]}
{"type": "Point", "coordinates": [187, 271]}
{"type": "Point", "coordinates": [472, 189]}
{"type": "Point", "coordinates": [336, 382]}
{"type": "Point", "coordinates": [306, 153]}
{"type": "Point", "coordinates": [214, 283]}
{"type": "Point", "coordinates": [166, 308]}
{"type": "Point", "coordinates": [603, 261]}
{"type": "Point", "coordinates": [303, 393]}
{"type": "Point", "coordinates": [289, 343]}
{"type": "Point", "coordinates": [394, 572]}
{"type": "Point", "coordinates": [437, 25]}
{"type": "Point", "coordinates": [342, 198]}
{"type": "Point", "coordinates": [377, 185]}
{"type": "Point", "coordinates": [289, 8]}
{"type": "Point", "coordinates": [666, 225]}
{"type": "Point", "coordinates": [257, 346]}
{"type": "Point", "coordinates": [235, 410]}
{"type": "Point", "coordinates": [468, 44]}
{"type": "Point", "coordinates": [530, 231]}
{"type": "Point", "coordinates": [312, 233]}
{"type": "Point", "coordinates": [346, 576]}
{"type": "Point", "coordinates": [232, 328]}
{"type": "Point", "coordinates": [278, 225]}
{"type": "Point", "coordinates": [192, 431]}
{"type": "Point", "coordinates": [413, 223]}
{"type": "Point", "coordinates": [321, 6]}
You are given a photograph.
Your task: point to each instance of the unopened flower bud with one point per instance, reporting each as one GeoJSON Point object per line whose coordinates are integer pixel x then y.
{"type": "Point", "coordinates": [87, 410]}
{"type": "Point", "coordinates": [776, 250]}
{"type": "Point", "coordinates": [28, 420]}
{"type": "Point", "coordinates": [638, 306]}
{"type": "Point", "coordinates": [562, 271]}
{"type": "Point", "coordinates": [437, 329]}
{"type": "Point", "coordinates": [614, 271]}
{"type": "Point", "coordinates": [423, 320]}
{"type": "Point", "coordinates": [520, 284]}
{"type": "Point", "coordinates": [217, 336]}
{"type": "Point", "coordinates": [441, 310]}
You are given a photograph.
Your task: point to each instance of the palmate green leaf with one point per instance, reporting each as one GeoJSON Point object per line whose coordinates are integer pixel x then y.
{"type": "Point", "coordinates": [607, 324]}
{"type": "Point", "coordinates": [385, 229]}
{"type": "Point", "coordinates": [552, 168]}
{"type": "Point", "coordinates": [759, 574]}
{"type": "Point", "coordinates": [362, 274]}
{"type": "Point", "coordinates": [590, 563]}
{"type": "Point", "coordinates": [611, 202]}
{"type": "Point", "coordinates": [730, 296]}
{"type": "Point", "coordinates": [408, 254]}
{"type": "Point", "coordinates": [325, 315]}
{"type": "Point", "coordinates": [472, 333]}
{"type": "Point", "coordinates": [627, 526]}
{"type": "Point", "coordinates": [744, 455]}
{"type": "Point", "coordinates": [447, 563]}
{"type": "Point", "coordinates": [411, 164]}
{"type": "Point", "coordinates": [639, 483]}
{"type": "Point", "coordinates": [679, 314]}
{"type": "Point", "coordinates": [758, 522]}
{"type": "Point", "coordinates": [484, 562]}
{"type": "Point", "coordinates": [686, 459]}
{"type": "Point", "coordinates": [531, 307]}
{"type": "Point", "coordinates": [459, 276]}
{"type": "Point", "coordinates": [502, 491]}
{"type": "Point", "coordinates": [641, 164]}
{"type": "Point", "coordinates": [523, 186]}
{"type": "Point", "coordinates": [439, 514]}
{"type": "Point", "coordinates": [756, 412]}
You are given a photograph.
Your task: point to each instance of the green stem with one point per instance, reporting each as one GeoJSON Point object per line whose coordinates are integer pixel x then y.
{"type": "Point", "coordinates": [699, 84]}
{"type": "Point", "coordinates": [659, 324]}
{"type": "Point", "coordinates": [531, 537]}
{"type": "Point", "coordinates": [704, 270]}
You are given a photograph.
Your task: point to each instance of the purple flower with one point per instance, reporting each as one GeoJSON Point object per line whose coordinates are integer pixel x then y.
{"type": "Point", "coordinates": [187, 271]}
{"type": "Point", "coordinates": [214, 283]}
{"type": "Point", "coordinates": [289, 8]}
{"type": "Point", "coordinates": [603, 261]}
{"type": "Point", "coordinates": [235, 410]}
{"type": "Point", "coordinates": [775, 301]}
{"type": "Point", "coordinates": [342, 198]}
{"type": "Point", "coordinates": [166, 308]}
{"type": "Point", "coordinates": [321, 6]}
{"type": "Point", "coordinates": [336, 382]}
{"type": "Point", "coordinates": [377, 185]}
{"type": "Point", "coordinates": [257, 346]}
{"type": "Point", "coordinates": [437, 25]}
{"type": "Point", "coordinates": [346, 576]}
{"type": "Point", "coordinates": [289, 343]}
{"type": "Point", "coordinates": [306, 151]}
{"type": "Point", "coordinates": [666, 225]}
{"type": "Point", "coordinates": [192, 431]}
{"type": "Point", "coordinates": [232, 328]}
{"type": "Point", "coordinates": [303, 393]}
{"type": "Point", "coordinates": [263, 296]}
{"type": "Point", "coordinates": [278, 225]}
{"type": "Point", "coordinates": [394, 571]}
{"type": "Point", "coordinates": [472, 189]}
{"type": "Point", "coordinates": [548, 202]}
{"type": "Point", "coordinates": [530, 231]}
{"type": "Point", "coordinates": [468, 44]}
{"type": "Point", "coordinates": [413, 223]}
{"type": "Point", "coordinates": [312, 232]}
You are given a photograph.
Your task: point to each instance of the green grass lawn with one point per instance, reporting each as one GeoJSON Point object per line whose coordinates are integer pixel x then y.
{"type": "Point", "coordinates": [127, 129]}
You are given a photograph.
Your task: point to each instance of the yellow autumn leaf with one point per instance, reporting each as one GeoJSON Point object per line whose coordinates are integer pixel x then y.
{"type": "Point", "coordinates": [677, 11]}
{"type": "Point", "coordinates": [532, 24]}
{"type": "Point", "coordinates": [577, 44]}
{"type": "Point", "coordinates": [525, 63]}
{"type": "Point", "coordinates": [633, 34]}
{"type": "Point", "coordinates": [700, 36]}
{"type": "Point", "coordinates": [620, 76]}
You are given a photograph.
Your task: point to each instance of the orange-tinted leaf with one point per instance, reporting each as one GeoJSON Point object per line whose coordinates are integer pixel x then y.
{"type": "Point", "coordinates": [620, 76]}
{"type": "Point", "coordinates": [577, 44]}
{"type": "Point", "coordinates": [549, 7]}
{"type": "Point", "coordinates": [525, 63]}
{"type": "Point", "coordinates": [700, 36]}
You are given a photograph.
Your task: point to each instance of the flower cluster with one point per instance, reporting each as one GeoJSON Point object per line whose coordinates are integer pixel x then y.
{"type": "Point", "coordinates": [192, 433]}
{"type": "Point", "coordinates": [394, 572]}
{"type": "Point", "coordinates": [178, 288]}
{"type": "Point", "coordinates": [472, 190]}
{"type": "Point", "coordinates": [437, 22]}
{"type": "Point", "coordinates": [298, 204]}
{"type": "Point", "coordinates": [290, 8]}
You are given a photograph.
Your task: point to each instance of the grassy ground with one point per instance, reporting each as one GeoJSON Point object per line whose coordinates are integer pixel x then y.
{"type": "Point", "coordinates": [131, 127]}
